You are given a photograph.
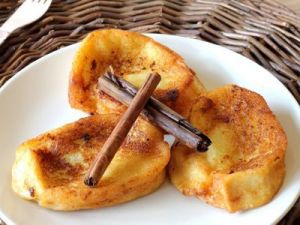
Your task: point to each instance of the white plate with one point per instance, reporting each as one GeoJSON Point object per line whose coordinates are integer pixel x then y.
{"type": "Point", "coordinates": [35, 100]}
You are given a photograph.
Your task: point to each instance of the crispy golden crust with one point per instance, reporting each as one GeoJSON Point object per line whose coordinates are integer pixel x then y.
{"type": "Point", "coordinates": [133, 56]}
{"type": "Point", "coordinates": [244, 167]}
{"type": "Point", "coordinates": [50, 168]}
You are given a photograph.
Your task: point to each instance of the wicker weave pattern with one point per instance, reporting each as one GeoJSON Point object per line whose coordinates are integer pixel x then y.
{"type": "Point", "coordinates": [261, 30]}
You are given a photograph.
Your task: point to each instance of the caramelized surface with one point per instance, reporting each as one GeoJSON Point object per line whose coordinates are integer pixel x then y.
{"type": "Point", "coordinates": [50, 168]}
{"type": "Point", "coordinates": [244, 166]}
{"type": "Point", "coordinates": [133, 56]}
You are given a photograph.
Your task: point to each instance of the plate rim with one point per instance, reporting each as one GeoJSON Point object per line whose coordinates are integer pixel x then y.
{"type": "Point", "coordinates": [151, 35]}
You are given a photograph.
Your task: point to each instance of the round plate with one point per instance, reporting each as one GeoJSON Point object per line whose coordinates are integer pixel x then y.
{"type": "Point", "coordinates": [36, 100]}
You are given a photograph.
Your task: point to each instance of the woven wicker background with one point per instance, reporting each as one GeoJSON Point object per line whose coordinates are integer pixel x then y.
{"type": "Point", "coordinates": [262, 30]}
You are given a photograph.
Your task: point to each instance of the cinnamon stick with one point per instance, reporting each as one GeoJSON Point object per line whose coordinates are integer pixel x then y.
{"type": "Point", "coordinates": [162, 115]}
{"type": "Point", "coordinates": [121, 130]}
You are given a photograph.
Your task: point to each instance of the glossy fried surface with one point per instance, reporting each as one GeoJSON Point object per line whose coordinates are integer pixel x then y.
{"type": "Point", "coordinates": [133, 56]}
{"type": "Point", "coordinates": [244, 167]}
{"type": "Point", "coordinates": [50, 168]}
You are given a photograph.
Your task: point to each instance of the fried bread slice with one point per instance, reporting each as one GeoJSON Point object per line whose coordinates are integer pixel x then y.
{"type": "Point", "coordinates": [132, 56]}
{"type": "Point", "coordinates": [50, 168]}
{"type": "Point", "coordinates": [244, 167]}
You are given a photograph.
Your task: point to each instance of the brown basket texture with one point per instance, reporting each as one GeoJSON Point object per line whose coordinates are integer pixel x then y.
{"type": "Point", "coordinates": [262, 30]}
